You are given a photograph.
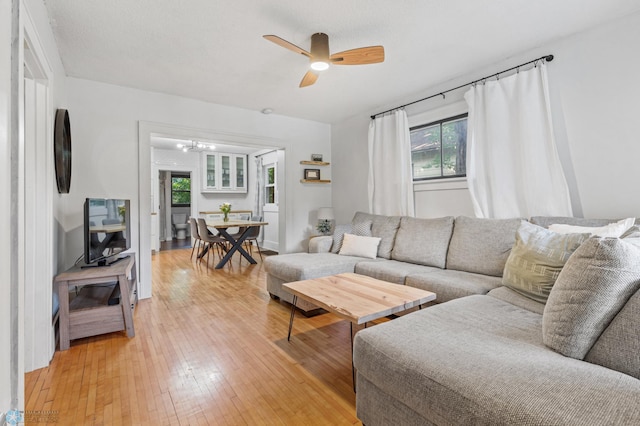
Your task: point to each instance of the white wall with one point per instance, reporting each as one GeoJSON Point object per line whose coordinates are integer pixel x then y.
{"type": "Point", "coordinates": [105, 160]}
{"type": "Point", "coordinates": [594, 96]}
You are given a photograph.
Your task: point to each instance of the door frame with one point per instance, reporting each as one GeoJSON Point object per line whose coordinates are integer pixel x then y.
{"type": "Point", "coordinates": [146, 130]}
{"type": "Point", "coordinates": [155, 186]}
{"type": "Point", "coordinates": [37, 225]}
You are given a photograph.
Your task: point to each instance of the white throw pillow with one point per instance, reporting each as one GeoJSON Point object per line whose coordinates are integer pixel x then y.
{"type": "Point", "coordinates": [355, 245]}
{"type": "Point", "coordinates": [612, 230]}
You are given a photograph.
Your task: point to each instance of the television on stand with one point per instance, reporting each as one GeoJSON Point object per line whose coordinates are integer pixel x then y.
{"type": "Point", "coordinates": [107, 230]}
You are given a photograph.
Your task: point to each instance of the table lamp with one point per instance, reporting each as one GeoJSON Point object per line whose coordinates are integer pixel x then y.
{"type": "Point", "coordinates": [325, 216]}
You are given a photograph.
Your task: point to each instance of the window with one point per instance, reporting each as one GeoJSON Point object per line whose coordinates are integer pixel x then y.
{"type": "Point", "coordinates": [270, 184]}
{"type": "Point", "coordinates": [180, 190]}
{"type": "Point", "coordinates": [439, 149]}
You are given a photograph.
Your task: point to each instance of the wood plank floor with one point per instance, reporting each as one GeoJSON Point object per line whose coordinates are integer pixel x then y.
{"type": "Point", "coordinates": [210, 349]}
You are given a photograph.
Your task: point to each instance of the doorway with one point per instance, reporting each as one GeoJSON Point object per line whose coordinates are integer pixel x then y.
{"type": "Point", "coordinates": [271, 170]}
{"type": "Point", "coordinates": [174, 209]}
{"type": "Point", "coordinates": [149, 164]}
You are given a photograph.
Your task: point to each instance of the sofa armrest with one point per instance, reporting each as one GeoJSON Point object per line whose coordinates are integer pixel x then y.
{"type": "Point", "coordinates": [320, 244]}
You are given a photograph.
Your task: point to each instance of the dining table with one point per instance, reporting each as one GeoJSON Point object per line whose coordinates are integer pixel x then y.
{"type": "Point", "coordinates": [236, 243]}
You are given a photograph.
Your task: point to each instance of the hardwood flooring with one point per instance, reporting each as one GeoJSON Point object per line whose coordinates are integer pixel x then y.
{"type": "Point", "coordinates": [210, 349]}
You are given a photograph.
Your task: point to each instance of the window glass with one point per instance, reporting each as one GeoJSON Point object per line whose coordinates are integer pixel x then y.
{"type": "Point", "coordinates": [439, 149]}
{"type": "Point", "coordinates": [211, 171]}
{"type": "Point", "coordinates": [270, 185]}
{"type": "Point", "coordinates": [239, 172]}
{"type": "Point", "coordinates": [226, 171]}
{"type": "Point", "coordinates": [180, 190]}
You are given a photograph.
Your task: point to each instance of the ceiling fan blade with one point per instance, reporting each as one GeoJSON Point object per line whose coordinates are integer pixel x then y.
{"type": "Point", "coordinates": [284, 43]}
{"type": "Point", "coordinates": [309, 78]}
{"type": "Point", "coordinates": [360, 56]}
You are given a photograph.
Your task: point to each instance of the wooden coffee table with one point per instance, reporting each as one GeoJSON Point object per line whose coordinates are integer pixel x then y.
{"type": "Point", "coordinates": [356, 298]}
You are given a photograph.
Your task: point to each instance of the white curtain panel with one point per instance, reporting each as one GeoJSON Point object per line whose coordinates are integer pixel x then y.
{"type": "Point", "coordinates": [258, 201]}
{"type": "Point", "coordinates": [513, 169]}
{"type": "Point", "coordinates": [390, 178]}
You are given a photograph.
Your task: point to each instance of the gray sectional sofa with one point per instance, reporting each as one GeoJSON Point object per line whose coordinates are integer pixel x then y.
{"type": "Point", "coordinates": [486, 356]}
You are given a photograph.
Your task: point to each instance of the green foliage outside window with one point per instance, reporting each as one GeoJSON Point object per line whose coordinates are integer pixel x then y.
{"type": "Point", "coordinates": [439, 150]}
{"type": "Point", "coordinates": [180, 191]}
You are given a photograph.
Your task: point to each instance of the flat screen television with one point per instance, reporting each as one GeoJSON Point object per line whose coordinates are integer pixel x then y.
{"type": "Point", "coordinates": [107, 230]}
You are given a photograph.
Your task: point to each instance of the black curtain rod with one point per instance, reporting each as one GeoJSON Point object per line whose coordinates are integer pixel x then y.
{"type": "Point", "coordinates": [547, 58]}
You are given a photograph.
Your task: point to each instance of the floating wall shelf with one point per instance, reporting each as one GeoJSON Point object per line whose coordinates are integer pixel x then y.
{"type": "Point", "coordinates": [315, 181]}
{"type": "Point", "coordinates": [315, 163]}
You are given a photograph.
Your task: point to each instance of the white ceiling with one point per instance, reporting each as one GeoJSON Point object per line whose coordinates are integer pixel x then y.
{"type": "Point", "coordinates": [213, 50]}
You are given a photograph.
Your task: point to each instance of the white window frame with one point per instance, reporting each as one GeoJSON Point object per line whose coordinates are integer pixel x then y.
{"type": "Point", "coordinates": [274, 185]}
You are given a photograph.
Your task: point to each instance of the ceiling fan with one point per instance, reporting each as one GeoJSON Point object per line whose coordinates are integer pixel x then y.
{"type": "Point", "coordinates": [320, 58]}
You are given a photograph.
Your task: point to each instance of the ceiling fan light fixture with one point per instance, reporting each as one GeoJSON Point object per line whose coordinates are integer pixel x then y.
{"type": "Point", "coordinates": [319, 52]}
{"type": "Point", "coordinates": [319, 65]}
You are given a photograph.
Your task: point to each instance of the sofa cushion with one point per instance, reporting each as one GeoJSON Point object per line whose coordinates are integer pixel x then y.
{"type": "Point", "coordinates": [302, 266]}
{"type": "Point", "coordinates": [481, 246]}
{"type": "Point", "coordinates": [390, 270]}
{"type": "Point", "coordinates": [383, 227]}
{"type": "Point", "coordinates": [479, 360]}
{"type": "Point", "coordinates": [338, 235]}
{"type": "Point", "coordinates": [320, 244]}
{"type": "Point", "coordinates": [537, 258]}
{"type": "Point", "coordinates": [451, 284]}
{"type": "Point", "coordinates": [507, 295]}
{"type": "Point", "coordinates": [618, 347]}
{"type": "Point", "coordinates": [357, 245]}
{"type": "Point", "coordinates": [423, 241]}
{"type": "Point", "coordinates": [596, 282]}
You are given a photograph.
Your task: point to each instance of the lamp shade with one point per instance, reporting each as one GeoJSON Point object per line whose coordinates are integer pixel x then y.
{"type": "Point", "coordinates": [325, 213]}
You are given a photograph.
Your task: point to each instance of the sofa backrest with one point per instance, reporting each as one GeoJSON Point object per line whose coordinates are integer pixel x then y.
{"type": "Point", "coordinates": [481, 246]}
{"type": "Point", "coordinates": [383, 227]}
{"type": "Point", "coordinates": [546, 221]}
{"type": "Point", "coordinates": [423, 241]}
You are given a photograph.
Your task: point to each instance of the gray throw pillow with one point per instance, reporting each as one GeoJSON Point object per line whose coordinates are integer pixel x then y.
{"type": "Point", "coordinates": [618, 347]}
{"type": "Point", "coordinates": [383, 227]}
{"type": "Point", "coordinates": [362, 229]}
{"type": "Point", "coordinates": [536, 259]}
{"type": "Point", "coordinates": [338, 235]}
{"type": "Point", "coordinates": [594, 285]}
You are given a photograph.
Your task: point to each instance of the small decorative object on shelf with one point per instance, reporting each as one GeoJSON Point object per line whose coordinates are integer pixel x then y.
{"type": "Point", "coordinates": [312, 174]}
{"type": "Point", "coordinates": [225, 208]}
{"type": "Point", "coordinates": [316, 157]}
{"type": "Point", "coordinates": [325, 216]}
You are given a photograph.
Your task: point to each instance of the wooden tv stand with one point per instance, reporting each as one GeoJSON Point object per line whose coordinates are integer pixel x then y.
{"type": "Point", "coordinates": [89, 312]}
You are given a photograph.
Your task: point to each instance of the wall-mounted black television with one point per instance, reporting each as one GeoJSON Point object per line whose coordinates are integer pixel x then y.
{"type": "Point", "coordinates": [107, 230]}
